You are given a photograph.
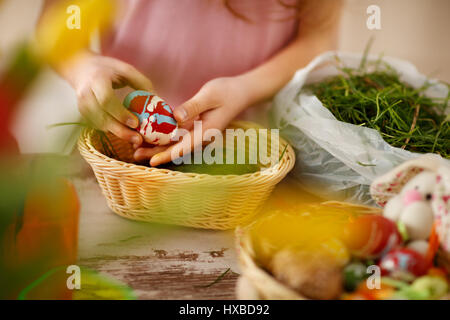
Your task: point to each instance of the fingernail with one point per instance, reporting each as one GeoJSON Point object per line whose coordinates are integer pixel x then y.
{"type": "Point", "coordinates": [154, 160]}
{"type": "Point", "coordinates": [182, 114]}
{"type": "Point", "coordinates": [132, 123]}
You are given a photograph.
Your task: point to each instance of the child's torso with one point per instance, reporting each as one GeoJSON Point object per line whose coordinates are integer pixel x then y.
{"type": "Point", "coordinates": [182, 44]}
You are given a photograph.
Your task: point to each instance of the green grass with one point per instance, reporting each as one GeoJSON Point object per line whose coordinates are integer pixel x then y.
{"type": "Point", "coordinates": [373, 96]}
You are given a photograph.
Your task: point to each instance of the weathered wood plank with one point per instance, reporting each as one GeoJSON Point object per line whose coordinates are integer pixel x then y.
{"type": "Point", "coordinates": [157, 261]}
{"type": "Point", "coordinates": [173, 276]}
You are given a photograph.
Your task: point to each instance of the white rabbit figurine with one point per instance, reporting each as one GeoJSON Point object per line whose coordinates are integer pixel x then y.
{"type": "Point", "coordinates": [412, 207]}
{"type": "Point", "coordinates": [416, 194]}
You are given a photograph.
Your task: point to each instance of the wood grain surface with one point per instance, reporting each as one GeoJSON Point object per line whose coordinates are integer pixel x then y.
{"type": "Point", "coordinates": [157, 261]}
{"type": "Point", "coordinates": [160, 261]}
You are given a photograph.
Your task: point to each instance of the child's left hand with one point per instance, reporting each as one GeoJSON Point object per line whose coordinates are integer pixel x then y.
{"type": "Point", "coordinates": [217, 103]}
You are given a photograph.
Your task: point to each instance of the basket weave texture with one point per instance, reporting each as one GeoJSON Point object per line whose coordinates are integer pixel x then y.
{"type": "Point", "coordinates": [265, 284]}
{"type": "Point", "coordinates": [267, 287]}
{"type": "Point", "coordinates": [143, 193]}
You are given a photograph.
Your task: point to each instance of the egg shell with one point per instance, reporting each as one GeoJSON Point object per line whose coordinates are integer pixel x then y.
{"type": "Point", "coordinates": [371, 236]}
{"type": "Point", "coordinates": [402, 263]}
{"type": "Point", "coordinates": [157, 123]}
{"type": "Point", "coordinates": [362, 292]}
{"type": "Point", "coordinates": [354, 273]}
{"type": "Point", "coordinates": [420, 246]}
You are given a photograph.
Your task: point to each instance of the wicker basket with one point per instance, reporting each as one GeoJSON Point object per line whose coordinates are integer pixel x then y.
{"type": "Point", "coordinates": [257, 283]}
{"type": "Point", "coordinates": [160, 195]}
{"type": "Point", "coordinates": [264, 285]}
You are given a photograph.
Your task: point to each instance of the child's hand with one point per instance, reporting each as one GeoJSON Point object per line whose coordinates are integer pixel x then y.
{"type": "Point", "coordinates": [94, 79]}
{"type": "Point", "coordinates": [216, 104]}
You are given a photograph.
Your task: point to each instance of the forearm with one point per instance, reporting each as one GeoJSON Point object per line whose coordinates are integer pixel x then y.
{"type": "Point", "coordinates": [264, 81]}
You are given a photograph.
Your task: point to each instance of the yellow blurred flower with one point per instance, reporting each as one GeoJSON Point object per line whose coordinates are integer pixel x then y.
{"type": "Point", "coordinates": [67, 27]}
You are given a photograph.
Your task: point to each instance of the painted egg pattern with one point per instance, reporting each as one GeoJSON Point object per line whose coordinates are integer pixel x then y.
{"type": "Point", "coordinates": [156, 120]}
{"type": "Point", "coordinates": [403, 261]}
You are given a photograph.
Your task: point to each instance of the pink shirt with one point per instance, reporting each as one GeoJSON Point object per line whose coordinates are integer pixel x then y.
{"type": "Point", "coordinates": [181, 44]}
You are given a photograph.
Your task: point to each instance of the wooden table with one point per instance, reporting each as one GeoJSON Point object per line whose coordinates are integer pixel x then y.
{"type": "Point", "coordinates": [158, 261]}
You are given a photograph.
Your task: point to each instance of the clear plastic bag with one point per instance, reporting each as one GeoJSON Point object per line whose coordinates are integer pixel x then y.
{"type": "Point", "coordinates": [338, 160]}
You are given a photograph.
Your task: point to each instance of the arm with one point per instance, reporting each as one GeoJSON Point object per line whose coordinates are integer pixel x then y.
{"type": "Point", "coordinates": [94, 78]}
{"type": "Point", "coordinates": [281, 68]}
{"type": "Point", "coordinates": [222, 99]}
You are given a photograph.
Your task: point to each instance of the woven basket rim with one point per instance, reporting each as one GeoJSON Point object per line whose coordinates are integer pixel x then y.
{"type": "Point", "coordinates": [252, 269]}
{"type": "Point", "coordinates": [90, 153]}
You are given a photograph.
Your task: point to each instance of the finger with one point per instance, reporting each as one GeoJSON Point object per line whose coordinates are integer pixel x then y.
{"type": "Point", "coordinates": [192, 108]}
{"type": "Point", "coordinates": [90, 109]}
{"type": "Point", "coordinates": [188, 125]}
{"type": "Point", "coordinates": [185, 146]}
{"type": "Point", "coordinates": [165, 156]}
{"type": "Point", "coordinates": [121, 131]}
{"type": "Point", "coordinates": [147, 153]}
{"type": "Point", "coordinates": [214, 119]}
{"type": "Point", "coordinates": [134, 78]}
{"type": "Point", "coordinates": [110, 103]}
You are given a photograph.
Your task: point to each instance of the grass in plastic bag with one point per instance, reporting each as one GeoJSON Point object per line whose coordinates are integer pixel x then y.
{"type": "Point", "coordinates": [373, 96]}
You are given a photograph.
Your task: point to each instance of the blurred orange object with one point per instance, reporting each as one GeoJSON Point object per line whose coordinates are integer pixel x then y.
{"type": "Point", "coordinates": [45, 235]}
{"type": "Point", "coordinates": [433, 246]}
{"type": "Point", "coordinates": [364, 293]}
{"type": "Point", "coordinates": [14, 82]}
{"type": "Point", "coordinates": [355, 296]}
{"type": "Point", "coordinates": [313, 227]}
{"type": "Point", "coordinates": [371, 235]}
{"type": "Point", "coordinates": [437, 272]}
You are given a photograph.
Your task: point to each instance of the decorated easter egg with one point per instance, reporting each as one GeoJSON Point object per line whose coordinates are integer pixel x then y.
{"type": "Point", "coordinates": [156, 120]}
{"type": "Point", "coordinates": [403, 263]}
{"type": "Point", "coordinates": [371, 236]}
{"type": "Point", "coordinates": [354, 273]}
{"type": "Point", "coordinates": [336, 249]}
{"type": "Point", "coordinates": [433, 287]}
{"type": "Point", "coordinates": [363, 292]}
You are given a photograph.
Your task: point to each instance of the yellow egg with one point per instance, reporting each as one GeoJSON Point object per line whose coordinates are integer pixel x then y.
{"type": "Point", "coordinates": [304, 227]}
{"type": "Point", "coordinates": [337, 250]}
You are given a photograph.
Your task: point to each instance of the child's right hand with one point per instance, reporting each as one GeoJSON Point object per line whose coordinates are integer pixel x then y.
{"type": "Point", "coordinates": [94, 79]}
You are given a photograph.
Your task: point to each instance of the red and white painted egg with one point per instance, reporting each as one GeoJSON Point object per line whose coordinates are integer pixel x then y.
{"type": "Point", "coordinates": [401, 262]}
{"type": "Point", "coordinates": [157, 123]}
